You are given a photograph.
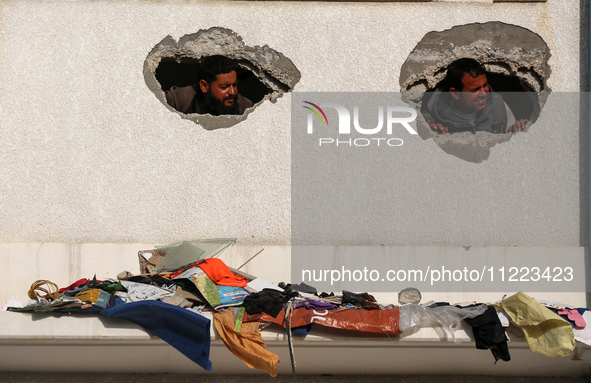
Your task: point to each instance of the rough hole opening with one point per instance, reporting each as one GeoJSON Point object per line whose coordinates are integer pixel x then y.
{"type": "Point", "coordinates": [537, 81]}
{"type": "Point", "coordinates": [511, 59]}
{"type": "Point", "coordinates": [441, 71]}
{"type": "Point", "coordinates": [242, 77]}
{"type": "Point", "coordinates": [516, 93]}
{"type": "Point", "coordinates": [172, 73]}
{"type": "Point", "coordinates": [421, 86]}
{"type": "Point", "coordinates": [500, 66]}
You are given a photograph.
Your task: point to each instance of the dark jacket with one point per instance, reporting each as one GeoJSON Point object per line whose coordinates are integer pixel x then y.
{"type": "Point", "coordinates": [185, 100]}
{"type": "Point", "coordinates": [440, 109]}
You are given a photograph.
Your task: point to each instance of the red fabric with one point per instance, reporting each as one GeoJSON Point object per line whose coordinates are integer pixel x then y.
{"type": "Point", "coordinates": [76, 284]}
{"type": "Point", "coordinates": [217, 270]}
{"type": "Point", "coordinates": [374, 321]}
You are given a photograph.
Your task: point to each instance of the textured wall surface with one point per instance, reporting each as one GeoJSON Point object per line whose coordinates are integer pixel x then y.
{"type": "Point", "coordinates": [89, 154]}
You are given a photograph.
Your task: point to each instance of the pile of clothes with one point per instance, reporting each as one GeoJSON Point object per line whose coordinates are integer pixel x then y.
{"type": "Point", "coordinates": [179, 283]}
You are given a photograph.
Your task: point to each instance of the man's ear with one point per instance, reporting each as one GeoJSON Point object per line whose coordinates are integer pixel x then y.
{"type": "Point", "coordinates": [203, 85]}
{"type": "Point", "coordinates": [455, 93]}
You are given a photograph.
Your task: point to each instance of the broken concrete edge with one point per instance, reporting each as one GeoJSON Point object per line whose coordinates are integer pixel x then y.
{"type": "Point", "coordinates": [498, 52]}
{"type": "Point", "coordinates": [468, 146]}
{"type": "Point", "coordinates": [273, 69]}
{"type": "Point", "coordinates": [471, 147]}
{"type": "Point", "coordinates": [495, 46]}
{"type": "Point", "coordinates": [210, 122]}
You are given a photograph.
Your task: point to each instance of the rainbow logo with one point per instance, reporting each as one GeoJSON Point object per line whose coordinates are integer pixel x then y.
{"type": "Point", "coordinates": [315, 112]}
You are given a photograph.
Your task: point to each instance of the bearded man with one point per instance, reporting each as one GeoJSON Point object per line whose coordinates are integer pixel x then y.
{"type": "Point", "coordinates": [216, 93]}
{"type": "Point", "coordinates": [465, 102]}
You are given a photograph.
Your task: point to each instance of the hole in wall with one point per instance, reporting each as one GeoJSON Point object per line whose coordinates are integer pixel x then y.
{"type": "Point", "coordinates": [262, 74]}
{"type": "Point", "coordinates": [518, 95]}
{"type": "Point", "coordinates": [171, 73]}
{"type": "Point", "coordinates": [516, 68]}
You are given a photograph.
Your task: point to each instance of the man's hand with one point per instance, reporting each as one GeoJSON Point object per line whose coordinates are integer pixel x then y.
{"type": "Point", "coordinates": [518, 126]}
{"type": "Point", "coordinates": [438, 127]}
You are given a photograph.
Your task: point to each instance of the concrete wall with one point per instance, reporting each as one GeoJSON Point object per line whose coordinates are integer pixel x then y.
{"type": "Point", "coordinates": [90, 155]}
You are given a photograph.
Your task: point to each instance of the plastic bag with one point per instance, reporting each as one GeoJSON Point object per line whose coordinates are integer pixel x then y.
{"type": "Point", "coordinates": [443, 319]}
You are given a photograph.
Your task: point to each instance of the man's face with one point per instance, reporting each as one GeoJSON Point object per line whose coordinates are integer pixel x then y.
{"type": "Point", "coordinates": [473, 95]}
{"type": "Point", "coordinates": [221, 95]}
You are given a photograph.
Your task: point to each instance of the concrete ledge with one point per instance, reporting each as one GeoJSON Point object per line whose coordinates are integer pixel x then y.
{"type": "Point", "coordinates": [97, 344]}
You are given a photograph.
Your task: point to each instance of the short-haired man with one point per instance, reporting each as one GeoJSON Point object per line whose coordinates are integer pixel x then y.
{"type": "Point", "coordinates": [215, 94]}
{"type": "Point", "coordinates": [465, 103]}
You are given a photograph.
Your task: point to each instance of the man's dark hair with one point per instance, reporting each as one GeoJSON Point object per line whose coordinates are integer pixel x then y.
{"type": "Point", "coordinates": [211, 66]}
{"type": "Point", "coordinates": [457, 69]}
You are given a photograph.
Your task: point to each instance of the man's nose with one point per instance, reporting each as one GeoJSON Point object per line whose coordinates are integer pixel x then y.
{"type": "Point", "coordinates": [233, 90]}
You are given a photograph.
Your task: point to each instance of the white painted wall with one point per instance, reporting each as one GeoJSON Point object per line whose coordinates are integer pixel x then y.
{"type": "Point", "coordinates": [90, 155]}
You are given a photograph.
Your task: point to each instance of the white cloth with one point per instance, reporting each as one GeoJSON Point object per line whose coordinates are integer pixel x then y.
{"type": "Point", "coordinates": [503, 318]}
{"type": "Point", "coordinates": [141, 291]}
{"type": "Point", "coordinates": [584, 335]}
{"type": "Point", "coordinates": [11, 302]}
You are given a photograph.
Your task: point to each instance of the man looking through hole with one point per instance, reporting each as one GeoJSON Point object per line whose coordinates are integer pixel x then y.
{"type": "Point", "coordinates": [465, 102]}
{"type": "Point", "coordinates": [216, 93]}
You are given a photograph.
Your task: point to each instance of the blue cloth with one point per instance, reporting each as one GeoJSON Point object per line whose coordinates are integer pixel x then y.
{"type": "Point", "coordinates": [301, 331]}
{"type": "Point", "coordinates": [184, 330]}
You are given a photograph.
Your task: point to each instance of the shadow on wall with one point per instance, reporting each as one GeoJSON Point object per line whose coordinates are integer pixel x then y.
{"type": "Point", "coordinates": [261, 72]}
{"type": "Point", "coordinates": [516, 64]}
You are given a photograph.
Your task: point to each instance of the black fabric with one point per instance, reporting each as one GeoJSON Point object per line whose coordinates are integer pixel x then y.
{"type": "Point", "coordinates": [155, 280]}
{"type": "Point", "coordinates": [489, 334]}
{"type": "Point", "coordinates": [349, 297]}
{"type": "Point", "coordinates": [267, 301]}
{"type": "Point", "coordinates": [363, 300]}
{"type": "Point", "coordinates": [304, 288]}
{"type": "Point", "coordinates": [187, 285]}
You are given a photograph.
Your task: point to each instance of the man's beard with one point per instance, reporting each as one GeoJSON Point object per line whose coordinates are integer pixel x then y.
{"type": "Point", "coordinates": [215, 107]}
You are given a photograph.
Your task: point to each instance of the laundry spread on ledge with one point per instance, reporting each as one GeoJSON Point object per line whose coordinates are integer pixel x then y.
{"type": "Point", "coordinates": [178, 283]}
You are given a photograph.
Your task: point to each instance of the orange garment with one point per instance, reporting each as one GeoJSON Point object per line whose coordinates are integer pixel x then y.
{"type": "Point", "coordinates": [221, 274]}
{"type": "Point", "coordinates": [247, 344]}
{"type": "Point", "coordinates": [216, 270]}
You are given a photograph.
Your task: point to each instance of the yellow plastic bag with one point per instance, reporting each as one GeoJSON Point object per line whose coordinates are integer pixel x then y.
{"type": "Point", "coordinates": [546, 333]}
